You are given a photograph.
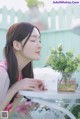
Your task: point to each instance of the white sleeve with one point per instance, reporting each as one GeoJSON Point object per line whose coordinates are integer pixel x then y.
{"type": "Point", "coordinates": [4, 83]}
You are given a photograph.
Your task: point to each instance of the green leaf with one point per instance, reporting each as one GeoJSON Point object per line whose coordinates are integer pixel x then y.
{"type": "Point", "coordinates": [63, 62]}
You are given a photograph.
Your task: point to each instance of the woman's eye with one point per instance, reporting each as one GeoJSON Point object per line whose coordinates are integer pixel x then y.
{"type": "Point", "coordinates": [32, 40]}
{"type": "Point", "coordinates": [35, 41]}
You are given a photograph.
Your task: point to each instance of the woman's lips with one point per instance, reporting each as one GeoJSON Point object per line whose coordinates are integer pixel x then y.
{"type": "Point", "coordinates": [38, 53]}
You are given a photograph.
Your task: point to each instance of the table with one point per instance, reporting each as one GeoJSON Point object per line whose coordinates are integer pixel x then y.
{"type": "Point", "coordinates": [49, 98]}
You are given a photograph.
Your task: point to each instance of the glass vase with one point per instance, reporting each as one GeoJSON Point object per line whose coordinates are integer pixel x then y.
{"type": "Point", "coordinates": [66, 84]}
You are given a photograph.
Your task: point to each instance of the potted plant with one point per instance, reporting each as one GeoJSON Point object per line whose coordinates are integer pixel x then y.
{"type": "Point", "coordinates": [32, 3]}
{"type": "Point", "coordinates": [65, 63]}
{"type": "Point", "coordinates": [33, 6]}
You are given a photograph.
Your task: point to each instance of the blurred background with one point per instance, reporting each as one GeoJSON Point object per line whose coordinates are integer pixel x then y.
{"type": "Point", "coordinates": [55, 22]}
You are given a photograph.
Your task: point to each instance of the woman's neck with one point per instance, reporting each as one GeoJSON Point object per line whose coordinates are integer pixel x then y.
{"type": "Point", "coordinates": [22, 61]}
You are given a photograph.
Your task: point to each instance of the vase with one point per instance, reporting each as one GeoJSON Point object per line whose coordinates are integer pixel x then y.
{"type": "Point", "coordinates": [66, 76]}
{"type": "Point", "coordinates": [67, 84]}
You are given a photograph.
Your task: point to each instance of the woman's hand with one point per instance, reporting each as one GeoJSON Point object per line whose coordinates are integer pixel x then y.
{"type": "Point", "coordinates": [29, 84]}
{"type": "Point", "coordinates": [25, 84]}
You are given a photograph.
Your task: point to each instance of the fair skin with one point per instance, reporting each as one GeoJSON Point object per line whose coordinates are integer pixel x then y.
{"type": "Point", "coordinates": [31, 50]}
{"type": "Point", "coordinates": [24, 55]}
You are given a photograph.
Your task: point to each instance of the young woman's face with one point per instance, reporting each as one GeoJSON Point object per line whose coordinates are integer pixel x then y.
{"type": "Point", "coordinates": [32, 48]}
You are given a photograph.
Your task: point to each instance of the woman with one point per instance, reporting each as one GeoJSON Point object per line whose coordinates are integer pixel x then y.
{"type": "Point", "coordinates": [23, 45]}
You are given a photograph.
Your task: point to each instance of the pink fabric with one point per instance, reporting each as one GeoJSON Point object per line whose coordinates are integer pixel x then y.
{"type": "Point", "coordinates": [4, 65]}
{"type": "Point", "coordinates": [21, 107]}
{"type": "Point", "coordinates": [9, 106]}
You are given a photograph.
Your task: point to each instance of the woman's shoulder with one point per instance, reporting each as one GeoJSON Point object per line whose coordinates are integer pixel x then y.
{"type": "Point", "coordinates": [3, 70]}
{"type": "Point", "coordinates": [3, 64]}
{"type": "Point", "coordinates": [4, 81]}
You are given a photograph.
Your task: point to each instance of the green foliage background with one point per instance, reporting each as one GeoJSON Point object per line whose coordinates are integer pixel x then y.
{"type": "Point", "coordinates": [63, 62]}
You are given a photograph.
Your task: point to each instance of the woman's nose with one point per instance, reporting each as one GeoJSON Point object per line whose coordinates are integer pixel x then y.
{"type": "Point", "coordinates": [39, 45]}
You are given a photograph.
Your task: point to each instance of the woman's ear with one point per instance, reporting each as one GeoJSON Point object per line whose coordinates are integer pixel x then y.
{"type": "Point", "coordinates": [17, 45]}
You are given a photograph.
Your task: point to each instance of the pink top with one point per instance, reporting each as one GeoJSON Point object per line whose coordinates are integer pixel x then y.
{"type": "Point", "coordinates": [4, 86]}
{"type": "Point", "coordinates": [4, 80]}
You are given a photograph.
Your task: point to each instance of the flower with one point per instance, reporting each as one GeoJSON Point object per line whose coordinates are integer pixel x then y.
{"type": "Point", "coordinates": [23, 107]}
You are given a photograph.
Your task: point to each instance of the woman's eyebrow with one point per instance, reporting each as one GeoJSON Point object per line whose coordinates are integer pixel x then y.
{"type": "Point", "coordinates": [35, 35]}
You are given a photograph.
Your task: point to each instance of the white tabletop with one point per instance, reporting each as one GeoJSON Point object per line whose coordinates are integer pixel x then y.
{"type": "Point", "coordinates": [44, 97]}
{"type": "Point", "coordinates": [51, 94]}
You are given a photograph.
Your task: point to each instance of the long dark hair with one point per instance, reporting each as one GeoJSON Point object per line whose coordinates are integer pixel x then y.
{"type": "Point", "coordinates": [17, 31]}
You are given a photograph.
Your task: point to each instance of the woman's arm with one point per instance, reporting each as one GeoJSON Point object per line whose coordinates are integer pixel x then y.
{"type": "Point", "coordinates": [25, 84]}
{"type": "Point", "coordinates": [11, 92]}
{"type": "Point", "coordinates": [4, 84]}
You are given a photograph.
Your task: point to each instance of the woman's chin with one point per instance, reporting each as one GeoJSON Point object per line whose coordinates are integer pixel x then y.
{"type": "Point", "coordinates": [37, 58]}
